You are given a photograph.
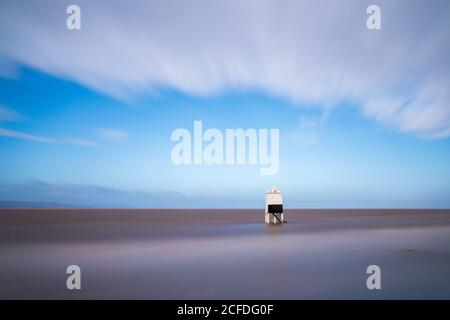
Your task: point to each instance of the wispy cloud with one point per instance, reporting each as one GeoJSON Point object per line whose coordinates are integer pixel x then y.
{"type": "Point", "coordinates": [112, 135]}
{"type": "Point", "coordinates": [82, 142]}
{"type": "Point", "coordinates": [7, 114]}
{"type": "Point", "coordinates": [308, 122]}
{"type": "Point", "coordinates": [25, 136]}
{"type": "Point", "coordinates": [41, 139]}
{"type": "Point", "coordinates": [425, 112]}
{"type": "Point", "coordinates": [305, 138]}
{"type": "Point", "coordinates": [8, 69]}
{"type": "Point", "coordinates": [317, 52]}
{"type": "Point", "coordinates": [307, 133]}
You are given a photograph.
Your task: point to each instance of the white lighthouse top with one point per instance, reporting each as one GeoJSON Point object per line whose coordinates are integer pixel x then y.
{"type": "Point", "coordinates": [273, 189]}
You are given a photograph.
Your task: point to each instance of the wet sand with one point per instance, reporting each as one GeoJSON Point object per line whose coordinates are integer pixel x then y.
{"type": "Point", "coordinates": [224, 254]}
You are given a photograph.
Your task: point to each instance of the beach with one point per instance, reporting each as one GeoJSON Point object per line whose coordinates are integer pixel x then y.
{"type": "Point", "coordinates": [224, 253]}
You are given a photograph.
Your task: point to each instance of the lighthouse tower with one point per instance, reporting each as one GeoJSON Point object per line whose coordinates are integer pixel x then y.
{"type": "Point", "coordinates": [273, 213]}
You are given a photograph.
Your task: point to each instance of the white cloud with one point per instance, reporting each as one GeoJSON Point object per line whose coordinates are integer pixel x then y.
{"type": "Point", "coordinates": [305, 138]}
{"type": "Point", "coordinates": [308, 122]}
{"type": "Point", "coordinates": [24, 136]}
{"type": "Point", "coordinates": [317, 52]}
{"type": "Point", "coordinates": [425, 111]}
{"type": "Point", "coordinates": [82, 142]}
{"type": "Point", "coordinates": [112, 135]}
{"type": "Point", "coordinates": [7, 68]}
{"type": "Point", "coordinates": [41, 139]}
{"type": "Point", "coordinates": [7, 114]}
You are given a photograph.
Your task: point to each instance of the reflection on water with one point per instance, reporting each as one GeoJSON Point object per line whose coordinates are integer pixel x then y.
{"type": "Point", "coordinates": [241, 261]}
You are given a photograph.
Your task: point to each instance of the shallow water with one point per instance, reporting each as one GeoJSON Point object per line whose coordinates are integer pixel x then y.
{"type": "Point", "coordinates": [231, 261]}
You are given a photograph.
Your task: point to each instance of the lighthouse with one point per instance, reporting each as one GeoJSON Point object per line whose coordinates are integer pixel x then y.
{"type": "Point", "coordinates": [273, 213]}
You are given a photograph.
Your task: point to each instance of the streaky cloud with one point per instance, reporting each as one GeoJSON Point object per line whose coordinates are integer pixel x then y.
{"type": "Point", "coordinates": [112, 135]}
{"type": "Point", "coordinates": [310, 52]}
{"type": "Point", "coordinates": [25, 136]}
{"type": "Point", "coordinates": [9, 115]}
{"type": "Point", "coordinates": [41, 139]}
{"type": "Point", "coordinates": [82, 142]}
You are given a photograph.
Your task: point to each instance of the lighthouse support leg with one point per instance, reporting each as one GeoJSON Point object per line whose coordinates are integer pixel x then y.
{"type": "Point", "coordinates": [278, 218]}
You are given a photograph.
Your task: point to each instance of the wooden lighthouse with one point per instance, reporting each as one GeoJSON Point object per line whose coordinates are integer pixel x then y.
{"type": "Point", "coordinates": [273, 213]}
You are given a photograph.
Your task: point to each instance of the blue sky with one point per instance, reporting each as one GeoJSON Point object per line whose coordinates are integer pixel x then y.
{"type": "Point", "coordinates": [83, 125]}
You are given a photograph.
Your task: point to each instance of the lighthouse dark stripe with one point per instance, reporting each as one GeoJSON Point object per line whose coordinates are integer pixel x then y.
{"type": "Point", "coordinates": [275, 208]}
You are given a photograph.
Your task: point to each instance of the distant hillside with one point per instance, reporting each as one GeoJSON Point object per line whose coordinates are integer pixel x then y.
{"type": "Point", "coordinates": [34, 204]}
